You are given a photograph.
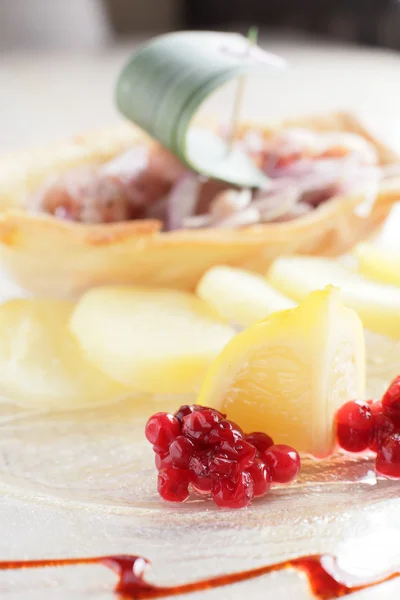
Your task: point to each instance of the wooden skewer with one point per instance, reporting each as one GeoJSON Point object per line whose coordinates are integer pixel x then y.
{"type": "Point", "coordinates": [252, 36]}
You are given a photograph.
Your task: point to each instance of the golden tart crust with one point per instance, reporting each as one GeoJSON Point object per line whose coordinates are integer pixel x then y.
{"type": "Point", "coordinates": [46, 255]}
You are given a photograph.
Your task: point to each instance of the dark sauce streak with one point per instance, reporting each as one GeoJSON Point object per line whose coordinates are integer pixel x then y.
{"type": "Point", "coordinates": [131, 583]}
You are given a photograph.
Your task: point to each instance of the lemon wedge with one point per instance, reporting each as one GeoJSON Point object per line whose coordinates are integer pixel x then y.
{"type": "Point", "coordinates": [239, 296]}
{"type": "Point", "coordinates": [377, 304]}
{"type": "Point", "coordinates": [156, 341]}
{"type": "Point", "coordinates": [41, 364]}
{"type": "Point", "coordinates": [288, 374]}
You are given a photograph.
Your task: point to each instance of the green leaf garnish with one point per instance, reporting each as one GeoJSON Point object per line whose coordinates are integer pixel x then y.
{"type": "Point", "coordinates": [164, 83]}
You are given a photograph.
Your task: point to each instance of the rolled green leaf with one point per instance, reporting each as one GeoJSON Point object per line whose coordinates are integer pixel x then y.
{"type": "Point", "coordinates": [164, 83]}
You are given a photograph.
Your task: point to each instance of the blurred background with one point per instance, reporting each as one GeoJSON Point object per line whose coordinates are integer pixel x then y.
{"type": "Point", "coordinates": [78, 24]}
{"type": "Point", "coordinates": [59, 59]}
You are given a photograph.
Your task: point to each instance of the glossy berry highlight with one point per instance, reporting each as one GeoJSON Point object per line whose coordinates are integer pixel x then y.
{"type": "Point", "coordinates": [173, 484]}
{"type": "Point", "coordinates": [375, 426]}
{"type": "Point", "coordinates": [233, 493]}
{"type": "Point", "coordinates": [283, 463]}
{"type": "Point", "coordinates": [161, 429]}
{"type": "Point", "coordinates": [198, 449]}
{"type": "Point", "coordinates": [261, 476]}
{"type": "Point", "coordinates": [354, 425]}
{"type": "Point", "coordinates": [388, 457]}
{"type": "Point", "coordinates": [391, 402]}
{"type": "Point", "coordinates": [260, 440]}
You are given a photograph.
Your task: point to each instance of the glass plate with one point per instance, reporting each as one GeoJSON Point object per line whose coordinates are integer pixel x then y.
{"type": "Point", "coordinates": [83, 483]}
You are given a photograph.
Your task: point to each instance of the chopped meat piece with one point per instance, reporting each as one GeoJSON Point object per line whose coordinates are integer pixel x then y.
{"type": "Point", "coordinates": [119, 190]}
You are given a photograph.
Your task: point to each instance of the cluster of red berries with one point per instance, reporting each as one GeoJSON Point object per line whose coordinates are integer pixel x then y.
{"type": "Point", "coordinates": [198, 447]}
{"type": "Point", "coordinates": [373, 426]}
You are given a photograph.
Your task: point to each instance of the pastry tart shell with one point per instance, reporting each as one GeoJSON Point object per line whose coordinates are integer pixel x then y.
{"type": "Point", "coordinates": [48, 256]}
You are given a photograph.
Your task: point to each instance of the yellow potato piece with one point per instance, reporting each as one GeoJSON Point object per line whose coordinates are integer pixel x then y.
{"type": "Point", "coordinates": [239, 296]}
{"type": "Point", "coordinates": [156, 341]}
{"type": "Point", "coordinates": [287, 375]}
{"type": "Point", "coordinates": [377, 304]}
{"type": "Point", "coordinates": [382, 264]}
{"type": "Point", "coordinates": [41, 364]}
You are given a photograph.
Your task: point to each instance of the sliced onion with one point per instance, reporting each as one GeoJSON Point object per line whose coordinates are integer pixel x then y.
{"type": "Point", "coordinates": [248, 216]}
{"type": "Point", "coordinates": [182, 201]}
{"type": "Point", "coordinates": [197, 221]}
{"type": "Point", "coordinates": [366, 182]}
{"type": "Point", "coordinates": [293, 141]}
{"type": "Point", "coordinates": [158, 209]}
{"type": "Point", "coordinates": [299, 210]}
{"type": "Point", "coordinates": [229, 202]}
{"type": "Point", "coordinates": [276, 203]}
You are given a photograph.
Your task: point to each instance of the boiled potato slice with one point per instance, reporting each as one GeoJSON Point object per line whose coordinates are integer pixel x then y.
{"type": "Point", "coordinates": [377, 304]}
{"type": "Point", "coordinates": [156, 341]}
{"type": "Point", "coordinates": [379, 263]}
{"type": "Point", "coordinates": [41, 364]}
{"type": "Point", "coordinates": [239, 296]}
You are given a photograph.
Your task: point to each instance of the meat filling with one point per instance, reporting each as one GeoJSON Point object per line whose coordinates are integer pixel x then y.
{"type": "Point", "coordinates": [304, 169]}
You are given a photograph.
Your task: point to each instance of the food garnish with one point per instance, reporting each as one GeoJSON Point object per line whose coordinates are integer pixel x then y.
{"type": "Point", "coordinates": [289, 373]}
{"type": "Point", "coordinates": [374, 426]}
{"type": "Point", "coordinates": [199, 448]}
{"type": "Point", "coordinates": [190, 66]}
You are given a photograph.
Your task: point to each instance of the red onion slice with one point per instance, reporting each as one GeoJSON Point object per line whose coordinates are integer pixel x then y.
{"type": "Point", "coordinates": [276, 203]}
{"type": "Point", "coordinates": [182, 201]}
{"type": "Point", "coordinates": [246, 217]}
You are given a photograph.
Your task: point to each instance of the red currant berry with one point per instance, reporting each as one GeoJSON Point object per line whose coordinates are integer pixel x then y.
{"type": "Point", "coordinates": [260, 440]}
{"type": "Point", "coordinates": [199, 463]}
{"type": "Point", "coordinates": [233, 493]}
{"type": "Point", "coordinates": [161, 429]}
{"type": "Point", "coordinates": [184, 410]}
{"type": "Point", "coordinates": [225, 431]}
{"type": "Point", "coordinates": [354, 424]}
{"type": "Point", "coordinates": [391, 402]}
{"type": "Point", "coordinates": [173, 484]}
{"type": "Point", "coordinates": [242, 452]}
{"type": "Point", "coordinates": [222, 466]}
{"type": "Point", "coordinates": [202, 485]}
{"type": "Point", "coordinates": [388, 457]}
{"type": "Point", "coordinates": [199, 423]}
{"type": "Point", "coordinates": [162, 461]}
{"type": "Point", "coordinates": [261, 477]}
{"type": "Point", "coordinates": [181, 450]}
{"type": "Point", "coordinates": [382, 427]}
{"type": "Point", "coordinates": [283, 462]}
{"type": "Point", "coordinates": [375, 406]}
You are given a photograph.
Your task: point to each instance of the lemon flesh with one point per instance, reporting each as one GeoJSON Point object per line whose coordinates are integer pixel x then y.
{"type": "Point", "coordinates": [377, 304]}
{"type": "Point", "coordinates": [155, 341]}
{"type": "Point", "coordinates": [239, 296]}
{"type": "Point", "coordinates": [41, 364]}
{"type": "Point", "coordinates": [288, 374]}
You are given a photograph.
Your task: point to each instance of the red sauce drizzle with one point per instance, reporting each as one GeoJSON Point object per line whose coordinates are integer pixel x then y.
{"type": "Point", "coordinates": [132, 584]}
